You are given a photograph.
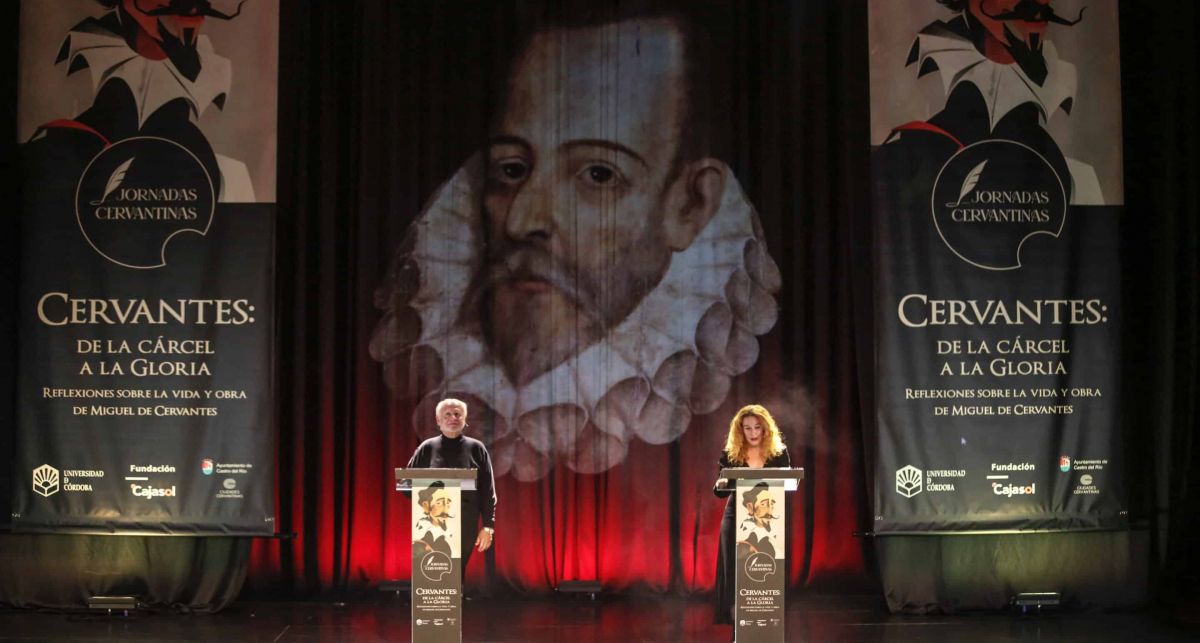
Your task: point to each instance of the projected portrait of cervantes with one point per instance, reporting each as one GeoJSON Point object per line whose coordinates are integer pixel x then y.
{"type": "Point", "coordinates": [593, 275]}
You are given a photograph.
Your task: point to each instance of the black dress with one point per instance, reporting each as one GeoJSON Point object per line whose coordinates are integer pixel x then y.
{"type": "Point", "coordinates": [723, 598]}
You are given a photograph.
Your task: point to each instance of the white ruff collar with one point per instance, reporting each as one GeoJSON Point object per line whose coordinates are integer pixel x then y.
{"type": "Point", "coordinates": [1004, 87]}
{"type": "Point", "coordinates": [672, 357]}
{"type": "Point", "coordinates": [154, 83]}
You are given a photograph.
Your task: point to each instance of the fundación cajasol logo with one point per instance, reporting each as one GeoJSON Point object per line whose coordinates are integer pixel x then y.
{"type": "Point", "coordinates": [991, 197]}
{"type": "Point", "coordinates": [45, 480]}
{"type": "Point", "coordinates": [138, 194]}
{"type": "Point", "coordinates": [909, 481]}
{"type": "Point", "coordinates": [1009, 490]}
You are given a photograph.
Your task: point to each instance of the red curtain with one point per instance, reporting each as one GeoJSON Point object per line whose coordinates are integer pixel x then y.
{"type": "Point", "coordinates": [380, 103]}
{"type": "Point", "coordinates": [373, 119]}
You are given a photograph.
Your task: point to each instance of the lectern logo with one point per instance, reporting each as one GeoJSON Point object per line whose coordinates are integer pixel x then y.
{"type": "Point", "coordinates": [45, 480]}
{"type": "Point", "coordinates": [908, 481]}
{"type": "Point", "coordinates": [759, 565]}
{"type": "Point", "coordinates": [435, 565]}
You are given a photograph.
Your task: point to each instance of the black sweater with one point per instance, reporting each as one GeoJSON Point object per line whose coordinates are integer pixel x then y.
{"type": "Point", "coordinates": [461, 453]}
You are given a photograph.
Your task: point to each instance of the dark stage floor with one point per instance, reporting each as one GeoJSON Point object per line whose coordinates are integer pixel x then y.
{"type": "Point", "coordinates": [849, 619]}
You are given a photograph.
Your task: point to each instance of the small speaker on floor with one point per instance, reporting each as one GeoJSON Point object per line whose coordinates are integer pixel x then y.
{"type": "Point", "coordinates": [580, 587]}
{"type": "Point", "coordinates": [1037, 600]}
{"type": "Point", "coordinates": [109, 604]}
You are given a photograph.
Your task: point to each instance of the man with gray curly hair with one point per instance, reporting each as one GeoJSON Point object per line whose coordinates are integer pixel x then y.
{"type": "Point", "coordinates": [453, 450]}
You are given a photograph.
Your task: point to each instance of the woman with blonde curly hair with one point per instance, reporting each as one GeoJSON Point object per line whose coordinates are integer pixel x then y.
{"type": "Point", "coordinates": [754, 441]}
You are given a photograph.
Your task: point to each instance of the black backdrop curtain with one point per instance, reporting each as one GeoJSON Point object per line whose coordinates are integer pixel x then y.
{"type": "Point", "coordinates": [380, 102]}
{"type": "Point", "coordinates": [1162, 290]}
{"type": "Point", "coordinates": [390, 103]}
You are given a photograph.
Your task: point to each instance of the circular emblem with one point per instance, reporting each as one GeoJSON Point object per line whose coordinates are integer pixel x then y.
{"type": "Point", "coordinates": [992, 196]}
{"type": "Point", "coordinates": [759, 565]}
{"type": "Point", "coordinates": [435, 565]}
{"type": "Point", "coordinates": [137, 194]}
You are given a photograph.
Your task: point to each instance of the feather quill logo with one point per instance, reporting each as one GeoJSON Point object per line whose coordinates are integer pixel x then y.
{"type": "Point", "coordinates": [139, 193]}
{"type": "Point", "coordinates": [115, 180]}
{"type": "Point", "coordinates": [993, 195]}
{"type": "Point", "coordinates": [968, 184]}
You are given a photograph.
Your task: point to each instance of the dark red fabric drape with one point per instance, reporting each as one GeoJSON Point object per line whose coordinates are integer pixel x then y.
{"type": "Point", "coordinates": [380, 103]}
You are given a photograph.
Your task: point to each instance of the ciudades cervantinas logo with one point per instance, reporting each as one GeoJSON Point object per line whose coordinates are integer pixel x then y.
{"type": "Point", "coordinates": [138, 194]}
{"type": "Point", "coordinates": [991, 197]}
{"type": "Point", "coordinates": [45, 480]}
{"type": "Point", "coordinates": [909, 481]}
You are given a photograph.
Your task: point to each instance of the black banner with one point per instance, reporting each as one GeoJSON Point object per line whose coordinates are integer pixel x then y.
{"type": "Point", "coordinates": [996, 196]}
{"type": "Point", "coordinates": [146, 295]}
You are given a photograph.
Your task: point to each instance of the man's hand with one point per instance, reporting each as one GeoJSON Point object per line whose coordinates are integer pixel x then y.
{"type": "Point", "coordinates": [484, 539]}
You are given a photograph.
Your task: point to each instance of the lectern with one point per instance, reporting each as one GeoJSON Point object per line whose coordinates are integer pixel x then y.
{"type": "Point", "coordinates": [437, 550]}
{"type": "Point", "coordinates": [761, 583]}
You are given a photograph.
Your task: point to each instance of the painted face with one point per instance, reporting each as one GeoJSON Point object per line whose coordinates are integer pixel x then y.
{"type": "Point", "coordinates": [764, 507]}
{"type": "Point", "coordinates": [439, 505]}
{"type": "Point", "coordinates": [452, 420]}
{"type": "Point", "coordinates": [154, 16]}
{"type": "Point", "coordinates": [997, 16]}
{"type": "Point", "coordinates": [753, 430]}
{"type": "Point", "coordinates": [578, 167]}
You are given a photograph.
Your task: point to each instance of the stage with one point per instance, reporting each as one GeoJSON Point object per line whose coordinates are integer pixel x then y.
{"type": "Point", "coordinates": [890, 305]}
{"type": "Point", "coordinates": [824, 618]}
